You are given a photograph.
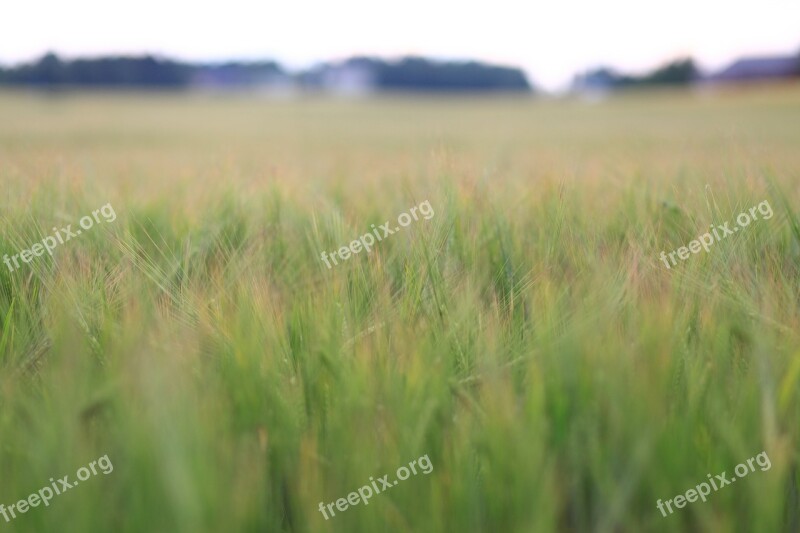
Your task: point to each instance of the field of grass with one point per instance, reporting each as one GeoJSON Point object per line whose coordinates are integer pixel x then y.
{"type": "Point", "coordinates": [526, 338]}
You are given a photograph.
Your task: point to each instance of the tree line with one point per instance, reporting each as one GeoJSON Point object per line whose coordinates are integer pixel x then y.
{"type": "Point", "coordinates": [412, 73]}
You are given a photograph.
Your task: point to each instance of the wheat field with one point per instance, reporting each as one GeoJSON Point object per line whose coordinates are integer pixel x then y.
{"type": "Point", "coordinates": [526, 339]}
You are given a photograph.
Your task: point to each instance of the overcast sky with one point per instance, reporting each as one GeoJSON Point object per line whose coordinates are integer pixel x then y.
{"type": "Point", "coordinates": [550, 40]}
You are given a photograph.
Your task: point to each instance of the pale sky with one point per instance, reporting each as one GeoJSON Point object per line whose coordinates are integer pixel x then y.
{"type": "Point", "coordinates": [551, 40]}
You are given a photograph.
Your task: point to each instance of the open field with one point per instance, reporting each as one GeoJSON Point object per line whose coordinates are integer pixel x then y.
{"type": "Point", "coordinates": [526, 338]}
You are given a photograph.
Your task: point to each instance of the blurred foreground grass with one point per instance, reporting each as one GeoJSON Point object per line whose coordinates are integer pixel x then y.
{"type": "Point", "coordinates": [526, 338]}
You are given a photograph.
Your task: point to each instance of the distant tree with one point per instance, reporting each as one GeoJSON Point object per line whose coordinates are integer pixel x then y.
{"type": "Point", "coordinates": [48, 71]}
{"type": "Point", "coordinates": [128, 71]}
{"type": "Point", "coordinates": [678, 72]}
{"type": "Point", "coordinates": [415, 73]}
{"type": "Point", "coordinates": [236, 74]}
{"type": "Point", "coordinates": [108, 71]}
